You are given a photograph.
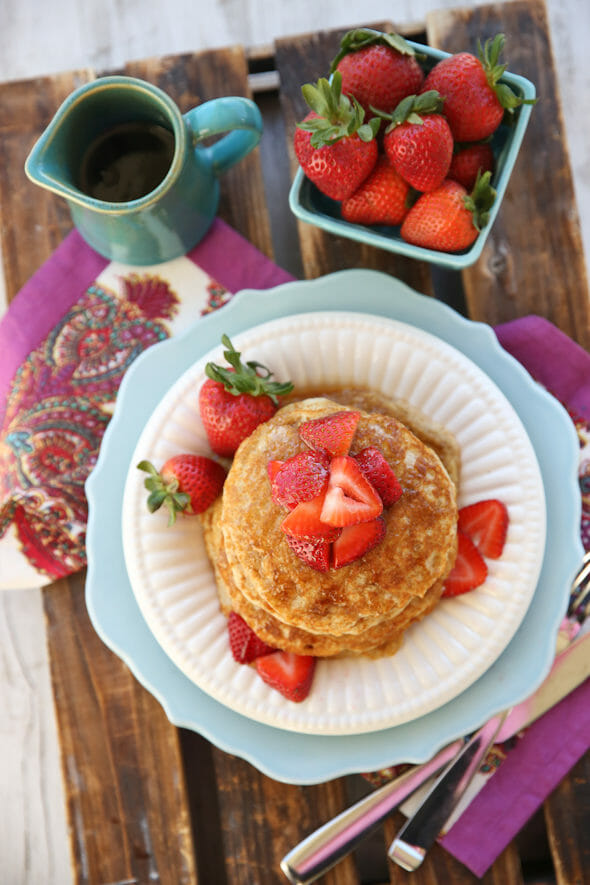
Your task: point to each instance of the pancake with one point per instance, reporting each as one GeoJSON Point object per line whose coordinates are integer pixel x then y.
{"type": "Point", "coordinates": [384, 638]}
{"type": "Point", "coordinates": [432, 434]}
{"type": "Point", "coordinates": [365, 607]}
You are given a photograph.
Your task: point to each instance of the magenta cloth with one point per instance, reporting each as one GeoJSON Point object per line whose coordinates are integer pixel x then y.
{"type": "Point", "coordinates": [553, 359]}
{"type": "Point", "coordinates": [234, 262]}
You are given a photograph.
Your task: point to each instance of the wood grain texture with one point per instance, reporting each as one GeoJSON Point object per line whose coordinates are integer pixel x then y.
{"type": "Point", "coordinates": [304, 59]}
{"type": "Point", "coordinates": [32, 221]}
{"type": "Point", "coordinates": [567, 812]}
{"type": "Point", "coordinates": [533, 261]}
{"type": "Point", "coordinates": [127, 807]}
{"type": "Point", "coordinates": [262, 820]}
{"type": "Point", "coordinates": [33, 830]}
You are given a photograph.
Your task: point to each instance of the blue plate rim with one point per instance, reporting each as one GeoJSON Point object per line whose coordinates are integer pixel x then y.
{"type": "Point", "coordinates": [286, 756]}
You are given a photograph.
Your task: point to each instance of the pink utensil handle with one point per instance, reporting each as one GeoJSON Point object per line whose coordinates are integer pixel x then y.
{"type": "Point", "coordinates": [321, 850]}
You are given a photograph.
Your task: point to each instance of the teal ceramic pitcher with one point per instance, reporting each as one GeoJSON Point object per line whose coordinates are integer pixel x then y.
{"type": "Point", "coordinates": [140, 180]}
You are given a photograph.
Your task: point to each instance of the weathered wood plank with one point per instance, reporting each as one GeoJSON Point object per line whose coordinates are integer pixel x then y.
{"type": "Point", "coordinates": [533, 261]}
{"type": "Point", "coordinates": [32, 221]}
{"type": "Point", "coordinates": [263, 819]}
{"type": "Point", "coordinates": [33, 829]}
{"type": "Point", "coordinates": [126, 802]}
{"type": "Point", "coordinates": [304, 59]}
{"type": "Point", "coordinates": [567, 812]}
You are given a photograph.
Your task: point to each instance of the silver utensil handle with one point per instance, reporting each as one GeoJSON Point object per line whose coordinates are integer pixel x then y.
{"type": "Point", "coordinates": [420, 832]}
{"type": "Point", "coordinates": [323, 848]}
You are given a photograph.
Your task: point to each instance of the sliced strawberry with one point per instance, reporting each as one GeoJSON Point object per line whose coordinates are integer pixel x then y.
{"type": "Point", "coordinates": [244, 643]}
{"type": "Point", "coordinates": [273, 468]}
{"type": "Point", "coordinates": [469, 570]}
{"type": "Point", "coordinates": [332, 434]}
{"type": "Point", "coordinates": [312, 551]}
{"type": "Point", "coordinates": [486, 523]}
{"type": "Point", "coordinates": [350, 497]}
{"type": "Point", "coordinates": [300, 478]}
{"type": "Point", "coordinates": [304, 521]}
{"type": "Point", "coordinates": [288, 673]}
{"type": "Point", "coordinates": [378, 471]}
{"type": "Point", "coordinates": [356, 540]}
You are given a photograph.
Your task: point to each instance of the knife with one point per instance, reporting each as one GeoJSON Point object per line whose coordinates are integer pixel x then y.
{"type": "Point", "coordinates": [322, 849]}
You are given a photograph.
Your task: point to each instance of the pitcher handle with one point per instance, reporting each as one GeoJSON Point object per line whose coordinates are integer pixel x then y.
{"type": "Point", "coordinates": [237, 116]}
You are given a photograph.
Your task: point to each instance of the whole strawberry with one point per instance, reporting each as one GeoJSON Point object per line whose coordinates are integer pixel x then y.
{"type": "Point", "coordinates": [475, 99]}
{"type": "Point", "coordinates": [234, 400]}
{"type": "Point", "coordinates": [381, 198]}
{"type": "Point", "coordinates": [185, 484]}
{"type": "Point", "coordinates": [377, 69]}
{"type": "Point", "coordinates": [418, 141]}
{"type": "Point", "coordinates": [334, 146]}
{"type": "Point", "coordinates": [449, 219]}
{"type": "Point", "coordinates": [469, 161]}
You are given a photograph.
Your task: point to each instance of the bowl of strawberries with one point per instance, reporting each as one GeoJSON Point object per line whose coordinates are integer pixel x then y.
{"type": "Point", "coordinates": [408, 148]}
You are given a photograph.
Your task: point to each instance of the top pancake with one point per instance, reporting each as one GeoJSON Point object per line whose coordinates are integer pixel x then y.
{"type": "Point", "coordinates": [418, 548]}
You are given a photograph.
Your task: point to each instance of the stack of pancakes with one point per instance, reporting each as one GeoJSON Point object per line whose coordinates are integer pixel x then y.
{"type": "Point", "coordinates": [366, 606]}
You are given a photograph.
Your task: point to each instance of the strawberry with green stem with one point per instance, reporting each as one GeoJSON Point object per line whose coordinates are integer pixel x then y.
{"type": "Point", "coordinates": [475, 97]}
{"type": "Point", "coordinates": [378, 69]}
{"type": "Point", "coordinates": [186, 483]}
{"type": "Point", "coordinates": [449, 219]}
{"type": "Point", "coordinates": [335, 147]}
{"type": "Point", "coordinates": [235, 399]}
{"type": "Point", "coordinates": [418, 141]}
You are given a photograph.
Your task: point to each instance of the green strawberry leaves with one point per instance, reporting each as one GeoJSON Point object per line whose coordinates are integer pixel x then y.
{"type": "Point", "coordinates": [251, 377]}
{"type": "Point", "coordinates": [163, 493]}
{"type": "Point", "coordinates": [338, 116]}
{"type": "Point", "coordinates": [360, 38]}
{"type": "Point", "coordinates": [481, 199]}
{"type": "Point", "coordinates": [488, 55]}
{"type": "Point", "coordinates": [412, 108]}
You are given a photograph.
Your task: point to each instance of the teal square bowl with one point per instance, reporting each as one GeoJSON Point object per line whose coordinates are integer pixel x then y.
{"type": "Point", "coordinates": [313, 207]}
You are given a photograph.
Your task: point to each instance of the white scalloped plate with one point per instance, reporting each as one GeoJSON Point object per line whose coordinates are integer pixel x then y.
{"type": "Point", "coordinates": [441, 656]}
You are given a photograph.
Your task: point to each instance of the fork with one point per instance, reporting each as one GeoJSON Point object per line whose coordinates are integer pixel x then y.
{"type": "Point", "coordinates": [420, 831]}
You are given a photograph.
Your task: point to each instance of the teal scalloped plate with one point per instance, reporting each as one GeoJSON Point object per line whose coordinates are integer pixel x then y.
{"type": "Point", "coordinates": [303, 758]}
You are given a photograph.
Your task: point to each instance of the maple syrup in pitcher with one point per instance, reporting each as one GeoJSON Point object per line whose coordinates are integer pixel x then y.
{"type": "Point", "coordinates": [126, 162]}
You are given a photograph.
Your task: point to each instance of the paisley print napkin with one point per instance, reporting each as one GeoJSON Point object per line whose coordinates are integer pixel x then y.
{"type": "Point", "coordinates": [66, 342]}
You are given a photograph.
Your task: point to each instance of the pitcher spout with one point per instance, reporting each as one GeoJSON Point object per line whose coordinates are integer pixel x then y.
{"type": "Point", "coordinates": [54, 160]}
